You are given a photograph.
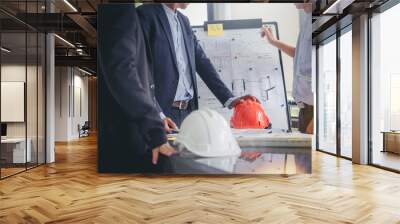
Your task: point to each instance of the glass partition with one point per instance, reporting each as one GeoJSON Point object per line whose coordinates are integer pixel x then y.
{"type": "Point", "coordinates": [22, 88]}
{"type": "Point", "coordinates": [14, 144]}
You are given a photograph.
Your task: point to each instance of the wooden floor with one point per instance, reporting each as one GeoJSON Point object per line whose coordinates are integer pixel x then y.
{"type": "Point", "coordinates": [5, 172]}
{"type": "Point", "coordinates": [71, 191]}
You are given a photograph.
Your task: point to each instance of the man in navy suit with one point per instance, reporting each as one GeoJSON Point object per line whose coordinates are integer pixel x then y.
{"type": "Point", "coordinates": [131, 133]}
{"type": "Point", "coordinates": [177, 56]}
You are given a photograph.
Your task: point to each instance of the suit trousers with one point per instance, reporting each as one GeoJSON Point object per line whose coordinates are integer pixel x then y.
{"type": "Point", "coordinates": [178, 115]}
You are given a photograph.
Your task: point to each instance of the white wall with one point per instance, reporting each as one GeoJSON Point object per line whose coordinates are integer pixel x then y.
{"type": "Point", "coordinates": [197, 13]}
{"type": "Point", "coordinates": [71, 87]}
{"type": "Point", "coordinates": [61, 102]}
{"type": "Point", "coordinates": [287, 17]}
{"type": "Point", "coordinates": [79, 117]}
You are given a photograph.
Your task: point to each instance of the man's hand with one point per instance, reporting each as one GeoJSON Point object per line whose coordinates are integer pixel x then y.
{"type": "Point", "coordinates": [250, 156]}
{"type": "Point", "coordinates": [164, 149]}
{"type": "Point", "coordinates": [243, 98]}
{"type": "Point", "coordinates": [266, 32]}
{"type": "Point", "coordinates": [310, 127]}
{"type": "Point", "coordinates": [169, 125]}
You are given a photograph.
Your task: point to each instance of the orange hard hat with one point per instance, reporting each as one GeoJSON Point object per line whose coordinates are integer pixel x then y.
{"type": "Point", "coordinates": [249, 114]}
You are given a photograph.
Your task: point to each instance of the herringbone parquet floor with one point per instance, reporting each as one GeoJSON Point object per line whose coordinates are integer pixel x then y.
{"type": "Point", "coordinates": [71, 191]}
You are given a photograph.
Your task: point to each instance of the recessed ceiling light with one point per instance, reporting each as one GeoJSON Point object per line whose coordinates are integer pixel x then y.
{"type": "Point", "coordinates": [70, 5]}
{"type": "Point", "coordinates": [5, 50]}
{"type": "Point", "coordinates": [84, 71]}
{"type": "Point", "coordinates": [338, 6]}
{"type": "Point", "coordinates": [65, 41]}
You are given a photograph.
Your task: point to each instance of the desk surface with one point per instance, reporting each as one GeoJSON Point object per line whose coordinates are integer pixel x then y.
{"type": "Point", "coordinates": [390, 132]}
{"type": "Point", "coordinates": [263, 152]}
{"type": "Point", "coordinates": [13, 140]}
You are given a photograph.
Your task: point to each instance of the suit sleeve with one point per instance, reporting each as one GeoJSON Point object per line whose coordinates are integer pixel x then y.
{"type": "Point", "coordinates": [209, 75]}
{"type": "Point", "coordinates": [119, 65]}
{"type": "Point", "coordinates": [146, 27]}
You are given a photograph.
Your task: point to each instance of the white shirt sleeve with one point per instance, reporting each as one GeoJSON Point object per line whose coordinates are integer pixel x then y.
{"type": "Point", "coordinates": [229, 102]}
{"type": "Point", "coordinates": [162, 116]}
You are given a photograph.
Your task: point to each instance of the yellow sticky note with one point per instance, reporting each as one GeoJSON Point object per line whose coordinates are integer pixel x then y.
{"type": "Point", "coordinates": [215, 29]}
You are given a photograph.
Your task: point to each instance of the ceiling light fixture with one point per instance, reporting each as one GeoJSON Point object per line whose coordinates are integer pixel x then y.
{"type": "Point", "coordinates": [331, 7]}
{"type": "Point", "coordinates": [5, 50]}
{"type": "Point", "coordinates": [70, 5]}
{"type": "Point", "coordinates": [65, 41]}
{"type": "Point", "coordinates": [84, 71]}
{"type": "Point", "coordinates": [337, 7]}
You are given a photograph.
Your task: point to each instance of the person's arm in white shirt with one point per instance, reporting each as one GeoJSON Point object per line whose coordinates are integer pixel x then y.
{"type": "Point", "coordinates": [267, 33]}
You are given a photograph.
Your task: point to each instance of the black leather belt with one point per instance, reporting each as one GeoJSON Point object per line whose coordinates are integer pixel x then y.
{"type": "Point", "coordinates": [181, 105]}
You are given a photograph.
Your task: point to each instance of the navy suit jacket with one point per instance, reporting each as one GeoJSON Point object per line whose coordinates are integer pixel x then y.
{"type": "Point", "coordinates": [129, 121]}
{"type": "Point", "coordinates": [158, 34]}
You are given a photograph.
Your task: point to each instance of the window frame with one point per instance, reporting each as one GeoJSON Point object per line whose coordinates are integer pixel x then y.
{"type": "Point", "coordinates": [336, 36]}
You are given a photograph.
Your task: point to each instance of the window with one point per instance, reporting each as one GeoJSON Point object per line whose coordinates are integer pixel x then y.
{"type": "Point", "coordinates": [197, 13]}
{"type": "Point", "coordinates": [327, 96]}
{"type": "Point", "coordinates": [346, 93]}
{"type": "Point", "coordinates": [385, 89]}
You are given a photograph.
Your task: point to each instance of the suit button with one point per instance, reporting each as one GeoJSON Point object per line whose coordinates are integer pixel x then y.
{"type": "Point", "coordinates": [152, 86]}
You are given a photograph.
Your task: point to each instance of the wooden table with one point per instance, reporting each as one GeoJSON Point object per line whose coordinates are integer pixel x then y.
{"type": "Point", "coordinates": [391, 141]}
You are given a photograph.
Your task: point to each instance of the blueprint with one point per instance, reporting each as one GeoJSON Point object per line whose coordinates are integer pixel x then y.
{"type": "Point", "coordinates": [247, 64]}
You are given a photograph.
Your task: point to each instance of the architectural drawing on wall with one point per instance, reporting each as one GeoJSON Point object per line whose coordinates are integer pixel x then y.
{"type": "Point", "coordinates": [247, 64]}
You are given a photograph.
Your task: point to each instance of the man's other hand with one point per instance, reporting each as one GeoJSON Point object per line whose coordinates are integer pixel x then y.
{"type": "Point", "coordinates": [243, 98]}
{"type": "Point", "coordinates": [310, 127]}
{"type": "Point", "coordinates": [169, 125]}
{"type": "Point", "coordinates": [164, 149]}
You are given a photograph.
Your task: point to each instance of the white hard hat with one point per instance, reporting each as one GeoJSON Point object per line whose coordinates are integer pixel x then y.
{"type": "Point", "coordinates": [206, 133]}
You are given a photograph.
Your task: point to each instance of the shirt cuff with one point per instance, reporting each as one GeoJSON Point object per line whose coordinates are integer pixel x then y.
{"type": "Point", "coordinates": [162, 116]}
{"type": "Point", "coordinates": [157, 137]}
{"type": "Point", "coordinates": [228, 103]}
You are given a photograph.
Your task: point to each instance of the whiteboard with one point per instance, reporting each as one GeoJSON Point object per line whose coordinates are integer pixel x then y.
{"type": "Point", "coordinates": [247, 64]}
{"type": "Point", "coordinates": [12, 101]}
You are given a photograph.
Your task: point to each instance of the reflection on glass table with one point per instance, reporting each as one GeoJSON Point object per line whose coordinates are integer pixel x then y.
{"type": "Point", "coordinates": [252, 160]}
